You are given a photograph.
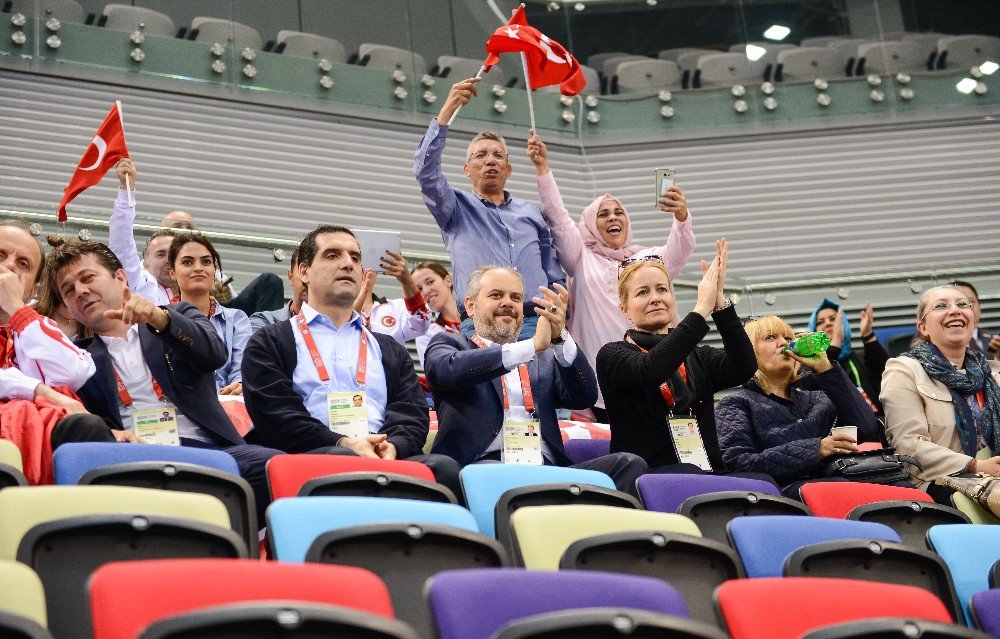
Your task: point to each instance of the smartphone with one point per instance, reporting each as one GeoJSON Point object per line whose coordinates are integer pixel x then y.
{"type": "Point", "coordinates": [664, 180]}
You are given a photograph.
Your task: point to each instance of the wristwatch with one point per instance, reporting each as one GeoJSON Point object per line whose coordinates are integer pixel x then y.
{"type": "Point", "coordinates": [560, 338]}
{"type": "Point", "coordinates": [726, 304]}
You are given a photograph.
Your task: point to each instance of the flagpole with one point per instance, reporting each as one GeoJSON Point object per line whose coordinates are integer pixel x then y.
{"type": "Point", "coordinates": [454, 115]}
{"type": "Point", "coordinates": [128, 183]}
{"type": "Point", "coordinates": [527, 83]}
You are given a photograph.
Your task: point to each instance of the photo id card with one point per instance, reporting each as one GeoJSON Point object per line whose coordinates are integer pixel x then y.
{"type": "Point", "coordinates": [157, 425]}
{"type": "Point", "coordinates": [688, 442]}
{"type": "Point", "coordinates": [348, 414]}
{"type": "Point", "coordinates": [522, 442]}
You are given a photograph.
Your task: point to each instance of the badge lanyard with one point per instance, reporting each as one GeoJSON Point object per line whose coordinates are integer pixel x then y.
{"type": "Point", "coordinates": [522, 371]}
{"type": "Point", "coordinates": [668, 396]}
{"type": "Point", "coordinates": [362, 375]}
{"type": "Point", "coordinates": [857, 378]}
{"type": "Point", "coordinates": [124, 395]}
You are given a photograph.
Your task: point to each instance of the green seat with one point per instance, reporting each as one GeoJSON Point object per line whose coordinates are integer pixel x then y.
{"type": "Point", "coordinates": [10, 465]}
{"type": "Point", "coordinates": [543, 533]}
{"type": "Point", "coordinates": [22, 592]}
{"type": "Point", "coordinates": [977, 514]}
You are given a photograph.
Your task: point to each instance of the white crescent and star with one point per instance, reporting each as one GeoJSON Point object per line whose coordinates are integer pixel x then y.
{"type": "Point", "coordinates": [102, 148]}
{"type": "Point", "coordinates": [512, 33]}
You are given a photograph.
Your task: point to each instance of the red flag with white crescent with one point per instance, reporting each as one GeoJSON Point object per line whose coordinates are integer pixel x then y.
{"type": "Point", "coordinates": [103, 153]}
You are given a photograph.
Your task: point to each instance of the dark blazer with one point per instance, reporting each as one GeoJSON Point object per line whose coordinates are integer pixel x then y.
{"type": "Point", "coordinates": [630, 380]}
{"type": "Point", "coordinates": [183, 360]}
{"type": "Point", "coordinates": [468, 395]}
{"type": "Point", "coordinates": [279, 413]}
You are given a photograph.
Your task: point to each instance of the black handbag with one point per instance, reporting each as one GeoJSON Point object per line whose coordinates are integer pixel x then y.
{"type": "Point", "coordinates": [882, 466]}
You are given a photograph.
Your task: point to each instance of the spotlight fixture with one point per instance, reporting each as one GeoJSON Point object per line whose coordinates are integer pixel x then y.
{"type": "Point", "coordinates": [777, 32]}
{"type": "Point", "coordinates": [755, 53]}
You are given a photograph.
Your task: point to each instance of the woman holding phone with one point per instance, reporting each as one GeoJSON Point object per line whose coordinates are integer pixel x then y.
{"type": "Point", "coordinates": [592, 250]}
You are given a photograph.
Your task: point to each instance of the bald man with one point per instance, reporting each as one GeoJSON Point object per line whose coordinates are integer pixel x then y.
{"type": "Point", "coordinates": [178, 220]}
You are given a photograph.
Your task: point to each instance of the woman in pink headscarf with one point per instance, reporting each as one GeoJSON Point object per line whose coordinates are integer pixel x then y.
{"type": "Point", "coordinates": [592, 253]}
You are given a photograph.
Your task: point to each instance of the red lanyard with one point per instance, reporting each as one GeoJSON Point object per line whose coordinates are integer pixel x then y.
{"type": "Point", "coordinates": [668, 396]}
{"type": "Point", "coordinates": [522, 371]}
{"type": "Point", "coordinates": [212, 308]}
{"type": "Point", "coordinates": [452, 327]}
{"type": "Point", "coordinates": [980, 400]}
{"type": "Point", "coordinates": [124, 395]}
{"type": "Point", "coordinates": [324, 376]}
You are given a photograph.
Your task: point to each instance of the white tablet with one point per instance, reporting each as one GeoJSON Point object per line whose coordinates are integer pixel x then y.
{"type": "Point", "coordinates": [374, 244]}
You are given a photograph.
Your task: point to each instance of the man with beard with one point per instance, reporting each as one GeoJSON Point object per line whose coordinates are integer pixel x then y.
{"type": "Point", "coordinates": [300, 375]}
{"type": "Point", "coordinates": [492, 391]}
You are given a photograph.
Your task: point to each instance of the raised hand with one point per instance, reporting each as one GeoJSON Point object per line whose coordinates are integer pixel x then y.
{"type": "Point", "coordinates": [367, 286]}
{"type": "Point", "coordinates": [674, 202]}
{"type": "Point", "coordinates": [837, 339]}
{"type": "Point", "coordinates": [137, 310]}
{"type": "Point", "coordinates": [394, 264]}
{"type": "Point", "coordinates": [123, 168]}
{"type": "Point", "coordinates": [538, 153]}
{"type": "Point", "coordinates": [818, 363]}
{"type": "Point", "coordinates": [460, 94]}
{"type": "Point", "coordinates": [11, 291]}
{"type": "Point", "coordinates": [708, 288]}
{"type": "Point", "coordinates": [867, 319]}
{"type": "Point", "coordinates": [551, 306]}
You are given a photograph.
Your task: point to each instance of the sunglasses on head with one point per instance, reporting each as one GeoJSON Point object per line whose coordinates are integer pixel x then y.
{"type": "Point", "coordinates": [636, 260]}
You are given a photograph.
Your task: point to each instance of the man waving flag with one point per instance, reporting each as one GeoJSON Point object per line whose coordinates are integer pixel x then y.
{"type": "Point", "coordinates": [107, 147]}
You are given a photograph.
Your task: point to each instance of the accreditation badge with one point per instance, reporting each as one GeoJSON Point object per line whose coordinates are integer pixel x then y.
{"type": "Point", "coordinates": [522, 442]}
{"type": "Point", "coordinates": [348, 414]}
{"type": "Point", "coordinates": [157, 425]}
{"type": "Point", "coordinates": [688, 442]}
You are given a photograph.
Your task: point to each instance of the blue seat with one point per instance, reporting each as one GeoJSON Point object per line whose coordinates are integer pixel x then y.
{"type": "Point", "coordinates": [73, 461]}
{"type": "Point", "coordinates": [764, 542]}
{"type": "Point", "coordinates": [483, 484]}
{"type": "Point", "coordinates": [969, 550]}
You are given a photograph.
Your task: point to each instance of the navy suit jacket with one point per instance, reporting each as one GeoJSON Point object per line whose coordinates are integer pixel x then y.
{"type": "Point", "coordinates": [468, 396]}
{"type": "Point", "coordinates": [183, 360]}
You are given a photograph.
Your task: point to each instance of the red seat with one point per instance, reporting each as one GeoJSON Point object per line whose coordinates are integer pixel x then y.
{"type": "Point", "coordinates": [125, 597]}
{"type": "Point", "coordinates": [286, 474]}
{"type": "Point", "coordinates": [838, 499]}
{"type": "Point", "coordinates": [788, 607]}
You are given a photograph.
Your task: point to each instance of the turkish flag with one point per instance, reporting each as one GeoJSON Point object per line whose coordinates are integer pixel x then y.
{"type": "Point", "coordinates": [107, 147]}
{"type": "Point", "coordinates": [547, 61]}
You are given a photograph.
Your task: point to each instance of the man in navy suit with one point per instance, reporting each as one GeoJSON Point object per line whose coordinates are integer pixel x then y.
{"type": "Point", "coordinates": [479, 384]}
{"type": "Point", "coordinates": [151, 360]}
{"type": "Point", "coordinates": [982, 341]}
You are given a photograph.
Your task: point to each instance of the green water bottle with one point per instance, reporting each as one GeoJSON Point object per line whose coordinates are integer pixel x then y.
{"type": "Point", "coordinates": [810, 344]}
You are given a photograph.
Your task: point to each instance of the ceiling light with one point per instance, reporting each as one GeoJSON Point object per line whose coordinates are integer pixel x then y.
{"type": "Point", "coordinates": [755, 53]}
{"type": "Point", "coordinates": [777, 32]}
{"type": "Point", "coordinates": [966, 86]}
{"type": "Point", "coordinates": [989, 67]}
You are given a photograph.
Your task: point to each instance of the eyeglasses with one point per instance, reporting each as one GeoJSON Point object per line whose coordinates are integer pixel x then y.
{"type": "Point", "coordinates": [480, 156]}
{"type": "Point", "coordinates": [961, 305]}
{"type": "Point", "coordinates": [636, 260]}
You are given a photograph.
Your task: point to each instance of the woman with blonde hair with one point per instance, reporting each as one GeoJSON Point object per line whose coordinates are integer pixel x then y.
{"type": "Point", "coordinates": [777, 425]}
{"type": "Point", "coordinates": [942, 399]}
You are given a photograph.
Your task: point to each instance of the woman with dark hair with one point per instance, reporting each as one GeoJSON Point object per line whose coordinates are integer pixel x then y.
{"type": "Point", "coordinates": [434, 283]}
{"type": "Point", "coordinates": [942, 399]}
{"type": "Point", "coordinates": [193, 262]}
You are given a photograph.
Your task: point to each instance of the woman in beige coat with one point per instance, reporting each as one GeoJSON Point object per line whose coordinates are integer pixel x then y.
{"type": "Point", "coordinates": [942, 400]}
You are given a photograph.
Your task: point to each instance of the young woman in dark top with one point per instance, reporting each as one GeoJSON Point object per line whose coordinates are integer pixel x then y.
{"type": "Point", "coordinates": [657, 372]}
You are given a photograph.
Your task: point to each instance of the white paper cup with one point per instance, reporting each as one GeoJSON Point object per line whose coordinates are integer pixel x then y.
{"type": "Point", "coordinates": [850, 431]}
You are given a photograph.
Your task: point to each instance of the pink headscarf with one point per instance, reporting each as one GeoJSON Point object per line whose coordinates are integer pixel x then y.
{"type": "Point", "coordinates": [592, 237]}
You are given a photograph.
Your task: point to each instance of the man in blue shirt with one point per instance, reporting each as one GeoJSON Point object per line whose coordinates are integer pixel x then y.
{"type": "Point", "coordinates": [486, 225]}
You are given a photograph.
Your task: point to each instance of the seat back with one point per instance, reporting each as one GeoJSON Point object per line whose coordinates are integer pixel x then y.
{"type": "Point", "coordinates": [819, 41]}
{"type": "Point", "coordinates": [970, 551]}
{"type": "Point", "coordinates": [838, 499]}
{"type": "Point", "coordinates": [72, 461]}
{"type": "Point", "coordinates": [483, 484]}
{"type": "Point", "coordinates": [688, 64]}
{"type": "Point", "coordinates": [927, 44]}
{"type": "Point", "coordinates": [124, 17]}
{"type": "Point", "coordinates": [890, 57]}
{"type": "Point", "coordinates": [377, 485]}
{"type": "Point", "coordinates": [786, 608]}
{"type": "Point", "coordinates": [581, 450]}
{"type": "Point", "coordinates": [597, 60]}
{"type": "Point", "coordinates": [765, 543]}
{"type": "Point", "coordinates": [984, 608]}
{"type": "Point", "coordinates": [597, 623]}
{"type": "Point", "coordinates": [64, 10]}
{"type": "Point", "coordinates": [310, 45]}
{"type": "Point", "coordinates": [724, 69]}
{"type": "Point", "coordinates": [22, 593]}
{"type": "Point", "coordinates": [11, 465]}
{"type": "Point", "coordinates": [286, 474]}
{"type": "Point", "coordinates": [957, 52]}
{"type": "Point", "coordinates": [674, 54]}
{"type": "Point", "coordinates": [380, 56]}
{"type": "Point", "coordinates": [895, 628]}
{"type": "Point", "coordinates": [647, 75]}
{"type": "Point", "coordinates": [544, 533]}
{"type": "Point", "coordinates": [456, 68]}
{"type": "Point", "coordinates": [712, 512]}
{"type": "Point", "coordinates": [848, 48]}
{"type": "Point", "coordinates": [763, 67]}
{"type": "Point", "coordinates": [666, 493]}
{"type": "Point", "coordinates": [809, 63]}
{"type": "Point", "coordinates": [499, 597]}
{"type": "Point", "coordinates": [232, 34]}
{"type": "Point", "coordinates": [159, 589]}
{"type": "Point", "coordinates": [910, 519]}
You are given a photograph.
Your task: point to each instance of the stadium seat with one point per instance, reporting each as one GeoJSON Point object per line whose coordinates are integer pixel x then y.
{"type": "Point", "coordinates": [763, 67]}
{"type": "Point", "coordinates": [693, 565]}
{"type": "Point", "coordinates": [712, 512]}
{"type": "Point", "coordinates": [895, 628]}
{"type": "Point", "coordinates": [674, 54]}
{"type": "Point", "coordinates": [722, 70]}
{"type": "Point", "coordinates": [500, 597]}
{"type": "Point", "coordinates": [154, 590]}
{"type": "Point", "coordinates": [592, 86]}
{"type": "Point", "coordinates": [647, 75]}
{"type": "Point", "coordinates": [22, 603]}
{"type": "Point", "coordinates": [125, 17]}
{"type": "Point", "coordinates": [688, 64]}
{"type": "Point", "coordinates": [581, 450]}
{"type": "Point", "coordinates": [310, 45]}
{"type": "Point", "coordinates": [64, 10]}
{"type": "Point", "coordinates": [609, 65]}
{"type": "Point", "coordinates": [380, 56]}
{"type": "Point", "coordinates": [927, 44]}
{"type": "Point", "coordinates": [177, 468]}
{"type": "Point", "coordinates": [401, 540]}
{"type": "Point", "coordinates": [589, 623]}
{"type": "Point", "coordinates": [984, 608]}
{"type": "Point", "coordinates": [666, 493]}
{"type": "Point", "coordinates": [787, 608]}
{"type": "Point", "coordinates": [889, 57]}
{"type": "Point", "coordinates": [64, 533]}
{"type": "Point", "coordinates": [597, 60]}
{"type": "Point", "coordinates": [970, 551]}
{"type": "Point", "coordinates": [346, 476]}
{"type": "Point", "coordinates": [976, 513]}
{"type": "Point", "coordinates": [848, 48]}
{"type": "Point", "coordinates": [964, 51]}
{"type": "Point", "coordinates": [10, 465]}
{"type": "Point", "coordinates": [542, 534]}
{"type": "Point", "coordinates": [229, 33]}
{"type": "Point", "coordinates": [765, 543]}
{"type": "Point", "coordinates": [805, 64]}
{"type": "Point", "coordinates": [819, 41]}
{"type": "Point", "coordinates": [456, 68]}
{"type": "Point", "coordinates": [484, 484]}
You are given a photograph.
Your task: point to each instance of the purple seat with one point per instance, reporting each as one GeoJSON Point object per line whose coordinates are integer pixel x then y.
{"type": "Point", "coordinates": [985, 611]}
{"type": "Point", "coordinates": [501, 595]}
{"type": "Point", "coordinates": [581, 450]}
{"type": "Point", "coordinates": [666, 493]}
